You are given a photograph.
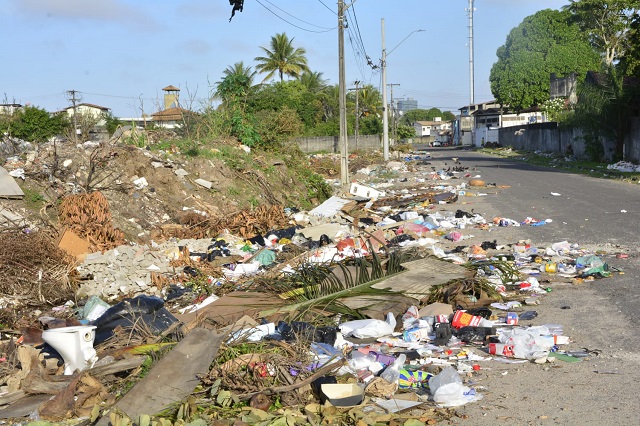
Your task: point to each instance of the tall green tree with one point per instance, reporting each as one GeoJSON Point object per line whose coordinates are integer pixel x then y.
{"type": "Point", "coordinates": [282, 58]}
{"type": "Point", "coordinates": [544, 43]}
{"type": "Point", "coordinates": [607, 24]}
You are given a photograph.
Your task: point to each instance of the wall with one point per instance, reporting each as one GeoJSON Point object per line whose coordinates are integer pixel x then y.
{"type": "Point", "coordinates": [547, 137]}
{"type": "Point", "coordinates": [332, 143]}
{"type": "Point", "coordinates": [632, 142]}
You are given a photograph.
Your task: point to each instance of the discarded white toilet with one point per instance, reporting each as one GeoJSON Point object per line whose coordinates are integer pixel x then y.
{"type": "Point", "coordinates": [74, 344]}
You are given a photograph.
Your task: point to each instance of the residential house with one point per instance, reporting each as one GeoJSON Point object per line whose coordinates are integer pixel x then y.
{"type": "Point", "coordinates": [478, 124]}
{"type": "Point", "coordinates": [436, 130]}
{"type": "Point", "coordinates": [88, 110]}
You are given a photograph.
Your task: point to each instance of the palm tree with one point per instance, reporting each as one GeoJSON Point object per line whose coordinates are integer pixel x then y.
{"type": "Point", "coordinates": [282, 57]}
{"type": "Point", "coordinates": [313, 81]}
{"type": "Point", "coordinates": [237, 80]}
{"type": "Point", "coordinates": [370, 100]}
{"type": "Point", "coordinates": [239, 69]}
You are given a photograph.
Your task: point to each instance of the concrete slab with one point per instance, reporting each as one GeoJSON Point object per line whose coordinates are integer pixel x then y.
{"type": "Point", "coordinates": [174, 377]}
{"type": "Point", "coordinates": [8, 186]}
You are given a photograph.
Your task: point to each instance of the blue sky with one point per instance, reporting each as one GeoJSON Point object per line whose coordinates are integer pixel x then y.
{"type": "Point", "coordinates": [121, 53]}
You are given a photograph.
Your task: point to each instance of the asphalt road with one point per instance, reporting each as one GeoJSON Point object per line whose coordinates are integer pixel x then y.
{"type": "Point", "coordinates": [597, 213]}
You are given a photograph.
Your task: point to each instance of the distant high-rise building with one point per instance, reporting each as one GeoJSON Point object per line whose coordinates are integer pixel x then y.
{"type": "Point", "coordinates": [408, 104]}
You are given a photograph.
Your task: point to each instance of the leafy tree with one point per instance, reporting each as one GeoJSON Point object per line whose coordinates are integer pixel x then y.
{"type": "Point", "coordinates": [34, 124]}
{"type": "Point", "coordinates": [370, 125]}
{"type": "Point", "coordinates": [291, 94]}
{"type": "Point", "coordinates": [406, 132]}
{"type": "Point", "coordinates": [276, 127]}
{"type": "Point", "coordinates": [283, 58]}
{"type": "Point", "coordinates": [233, 87]}
{"type": "Point", "coordinates": [607, 24]}
{"type": "Point", "coordinates": [448, 116]}
{"type": "Point", "coordinates": [543, 43]}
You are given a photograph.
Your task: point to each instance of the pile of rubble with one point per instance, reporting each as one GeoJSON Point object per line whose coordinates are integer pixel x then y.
{"type": "Point", "coordinates": [364, 308]}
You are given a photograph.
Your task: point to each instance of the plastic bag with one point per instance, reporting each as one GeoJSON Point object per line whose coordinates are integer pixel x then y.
{"type": "Point", "coordinates": [592, 265]}
{"type": "Point", "coordinates": [147, 310]}
{"type": "Point", "coordinates": [392, 373]}
{"type": "Point", "coordinates": [447, 389]}
{"type": "Point", "coordinates": [369, 328]}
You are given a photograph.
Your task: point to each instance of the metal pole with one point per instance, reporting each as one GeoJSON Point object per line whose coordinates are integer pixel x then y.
{"type": "Point", "coordinates": [385, 118]}
{"type": "Point", "coordinates": [344, 147]}
{"type": "Point", "coordinates": [471, 72]}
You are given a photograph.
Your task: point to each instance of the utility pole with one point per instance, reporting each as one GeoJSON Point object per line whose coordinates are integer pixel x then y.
{"type": "Point", "coordinates": [73, 96]}
{"type": "Point", "coordinates": [355, 133]}
{"type": "Point", "coordinates": [344, 142]}
{"type": "Point", "coordinates": [393, 114]}
{"type": "Point", "coordinates": [385, 118]}
{"type": "Point", "coordinates": [471, 71]}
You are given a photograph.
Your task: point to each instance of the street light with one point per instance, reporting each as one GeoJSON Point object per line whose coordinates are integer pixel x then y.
{"type": "Point", "coordinates": [385, 117]}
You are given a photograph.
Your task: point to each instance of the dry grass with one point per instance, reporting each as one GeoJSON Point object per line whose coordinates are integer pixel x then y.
{"type": "Point", "coordinates": [34, 273]}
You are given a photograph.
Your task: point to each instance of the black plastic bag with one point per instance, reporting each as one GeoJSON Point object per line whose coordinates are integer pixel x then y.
{"type": "Point", "coordinates": [131, 312]}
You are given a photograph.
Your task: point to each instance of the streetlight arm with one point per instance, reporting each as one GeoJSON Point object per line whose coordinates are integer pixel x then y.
{"type": "Point", "coordinates": [397, 45]}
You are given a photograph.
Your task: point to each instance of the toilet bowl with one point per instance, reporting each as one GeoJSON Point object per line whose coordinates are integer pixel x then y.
{"type": "Point", "coordinates": [74, 344]}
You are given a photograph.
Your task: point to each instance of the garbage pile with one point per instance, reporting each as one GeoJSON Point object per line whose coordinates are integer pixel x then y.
{"type": "Point", "coordinates": [361, 309]}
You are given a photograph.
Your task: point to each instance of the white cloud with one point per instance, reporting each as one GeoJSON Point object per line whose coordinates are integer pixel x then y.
{"type": "Point", "coordinates": [94, 10]}
{"type": "Point", "coordinates": [198, 47]}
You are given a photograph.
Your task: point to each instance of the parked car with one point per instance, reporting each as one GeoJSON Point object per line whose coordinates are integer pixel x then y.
{"type": "Point", "coordinates": [436, 143]}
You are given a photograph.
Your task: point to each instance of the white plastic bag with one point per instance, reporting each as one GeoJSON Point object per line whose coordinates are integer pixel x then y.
{"type": "Point", "coordinates": [369, 328]}
{"type": "Point", "coordinates": [448, 391]}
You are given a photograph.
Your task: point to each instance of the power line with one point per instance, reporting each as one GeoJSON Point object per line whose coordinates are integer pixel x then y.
{"type": "Point", "coordinates": [295, 17]}
{"type": "Point", "coordinates": [292, 24]}
{"type": "Point", "coordinates": [359, 35]}
{"type": "Point", "coordinates": [332, 11]}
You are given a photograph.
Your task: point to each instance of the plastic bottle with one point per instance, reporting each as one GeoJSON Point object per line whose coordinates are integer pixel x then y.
{"type": "Point", "coordinates": [392, 373]}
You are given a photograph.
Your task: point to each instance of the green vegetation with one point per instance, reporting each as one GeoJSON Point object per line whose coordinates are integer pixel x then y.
{"type": "Point", "coordinates": [543, 43]}
{"type": "Point", "coordinates": [33, 124]}
{"type": "Point", "coordinates": [33, 198]}
{"type": "Point", "coordinates": [414, 115]}
{"type": "Point", "coordinates": [600, 36]}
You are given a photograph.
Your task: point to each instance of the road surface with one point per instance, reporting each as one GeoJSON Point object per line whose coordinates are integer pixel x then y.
{"type": "Point", "coordinates": [602, 214]}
